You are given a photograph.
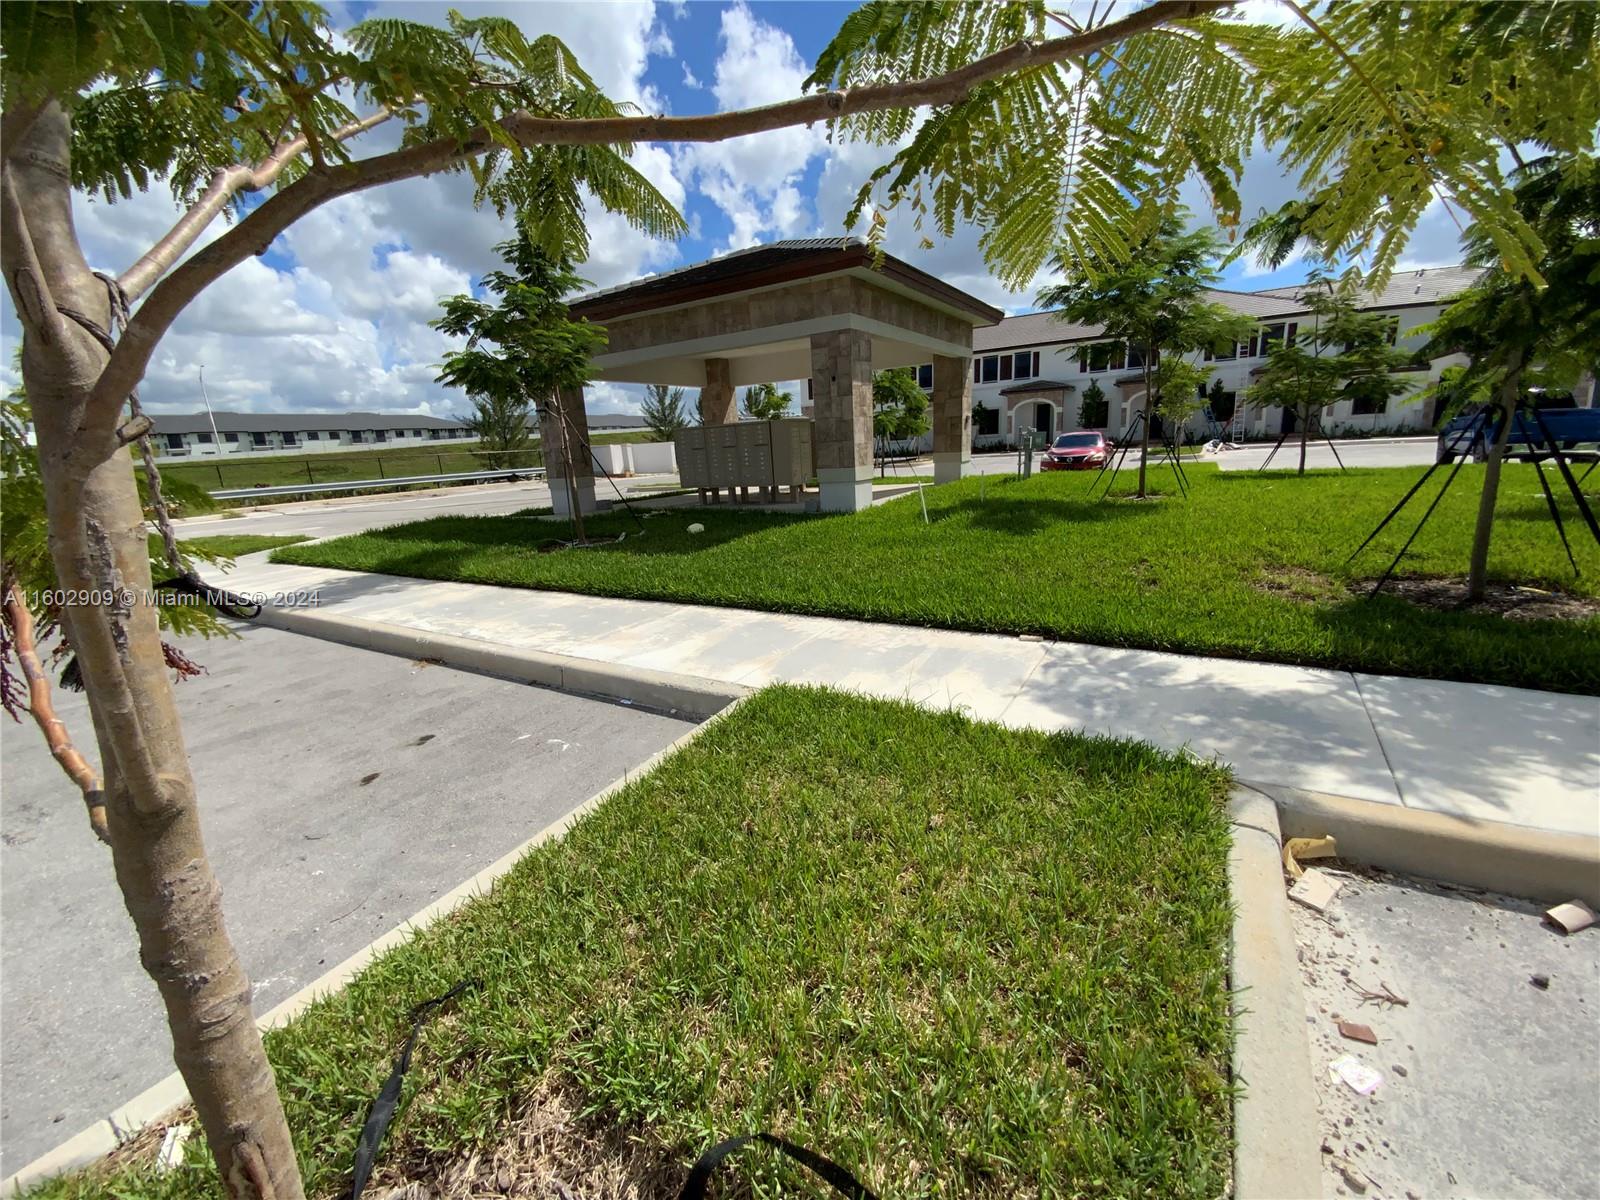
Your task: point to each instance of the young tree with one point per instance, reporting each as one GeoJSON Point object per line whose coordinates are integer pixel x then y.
{"type": "Point", "coordinates": [519, 350]}
{"type": "Point", "coordinates": [764, 402]}
{"type": "Point", "coordinates": [663, 411]}
{"type": "Point", "coordinates": [502, 424]}
{"type": "Point", "coordinates": [1341, 354]}
{"type": "Point", "coordinates": [1178, 388]}
{"type": "Point", "coordinates": [1094, 410]}
{"type": "Point", "coordinates": [899, 406]}
{"type": "Point", "coordinates": [1155, 301]}
{"type": "Point", "coordinates": [226, 102]}
{"type": "Point", "coordinates": [1516, 334]}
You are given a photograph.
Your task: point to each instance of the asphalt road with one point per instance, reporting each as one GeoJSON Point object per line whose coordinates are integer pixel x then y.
{"type": "Point", "coordinates": [316, 861]}
{"type": "Point", "coordinates": [1409, 453]}
{"type": "Point", "coordinates": [355, 514]}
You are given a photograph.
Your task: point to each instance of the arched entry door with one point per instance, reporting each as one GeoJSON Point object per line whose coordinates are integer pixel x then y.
{"type": "Point", "coordinates": [1044, 418]}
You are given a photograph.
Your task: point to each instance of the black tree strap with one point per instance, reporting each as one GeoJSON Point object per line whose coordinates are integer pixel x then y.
{"type": "Point", "coordinates": [225, 602]}
{"type": "Point", "coordinates": [830, 1172]}
{"type": "Point", "coordinates": [382, 1110]}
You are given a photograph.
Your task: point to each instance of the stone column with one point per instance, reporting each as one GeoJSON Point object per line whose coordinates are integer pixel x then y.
{"type": "Point", "coordinates": [569, 403]}
{"type": "Point", "coordinates": [841, 390]}
{"type": "Point", "coordinates": [716, 398]}
{"type": "Point", "coordinates": [952, 418]}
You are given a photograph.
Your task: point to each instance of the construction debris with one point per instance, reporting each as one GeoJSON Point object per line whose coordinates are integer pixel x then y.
{"type": "Point", "coordinates": [1358, 1033]}
{"type": "Point", "coordinates": [172, 1143]}
{"type": "Point", "coordinates": [1356, 1075]}
{"type": "Point", "coordinates": [1571, 916]}
{"type": "Point", "coordinates": [1296, 849]}
{"type": "Point", "coordinates": [1315, 889]}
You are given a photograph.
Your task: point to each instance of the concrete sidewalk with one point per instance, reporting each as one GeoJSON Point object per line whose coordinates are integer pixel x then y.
{"type": "Point", "coordinates": [1486, 753]}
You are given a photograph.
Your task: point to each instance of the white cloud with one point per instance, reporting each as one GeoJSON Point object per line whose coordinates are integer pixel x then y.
{"type": "Point", "coordinates": [689, 80]}
{"type": "Point", "coordinates": [753, 179]}
{"type": "Point", "coordinates": [344, 323]}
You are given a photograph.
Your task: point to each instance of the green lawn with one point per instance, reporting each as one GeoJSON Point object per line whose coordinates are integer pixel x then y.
{"type": "Point", "coordinates": [343, 466]}
{"type": "Point", "coordinates": [960, 959]}
{"type": "Point", "coordinates": [1250, 566]}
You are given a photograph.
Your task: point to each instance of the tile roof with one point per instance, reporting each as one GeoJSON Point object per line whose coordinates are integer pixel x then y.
{"type": "Point", "coordinates": [774, 262]}
{"type": "Point", "coordinates": [1428, 285]}
{"type": "Point", "coordinates": [1037, 385]}
{"type": "Point", "coordinates": [296, 422]}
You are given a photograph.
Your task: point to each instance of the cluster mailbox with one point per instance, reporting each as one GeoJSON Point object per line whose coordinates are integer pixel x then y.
{"type": "Point", "coordinates": [748, 454]}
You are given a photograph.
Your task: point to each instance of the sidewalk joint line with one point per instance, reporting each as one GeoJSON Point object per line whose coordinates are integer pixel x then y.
{"type": "Point", "coordinates": [1382, 749]}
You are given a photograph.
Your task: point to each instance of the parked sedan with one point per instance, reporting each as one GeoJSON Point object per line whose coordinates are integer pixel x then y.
{"type": "Point", "coordinates": [1076, 451]}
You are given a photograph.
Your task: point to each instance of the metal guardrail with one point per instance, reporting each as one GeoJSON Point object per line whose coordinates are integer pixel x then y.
{"type": "Point", "coordinates": [357, 485]}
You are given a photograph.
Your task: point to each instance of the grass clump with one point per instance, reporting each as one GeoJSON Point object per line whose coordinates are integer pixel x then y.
{"type": "Point", "coordinates": [961, 959]}
{"type": "Point", "coordinates": [1250, 566]}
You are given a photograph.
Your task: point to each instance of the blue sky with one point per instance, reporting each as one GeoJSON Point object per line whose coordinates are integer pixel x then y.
{"type": "Point", "coordinates": [335, 315]}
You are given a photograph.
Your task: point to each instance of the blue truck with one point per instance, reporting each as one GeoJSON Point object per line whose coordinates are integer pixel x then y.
{"type": "Point", "coordinates": [1576, 432]}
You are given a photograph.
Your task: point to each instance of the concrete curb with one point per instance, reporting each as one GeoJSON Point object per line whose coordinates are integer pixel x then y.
{"type": "Point", "coordinates": [1275, 1128]}
{"type": "Point", "coordinates": [661, 691]}
{"type": "Point", "coordinates": [161, 1100]}
{"type": "Point", "coordinates": [1532, 863]}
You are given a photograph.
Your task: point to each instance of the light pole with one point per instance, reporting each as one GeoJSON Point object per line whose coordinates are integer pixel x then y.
{"type": "Point", "coordinates": [216, 438]}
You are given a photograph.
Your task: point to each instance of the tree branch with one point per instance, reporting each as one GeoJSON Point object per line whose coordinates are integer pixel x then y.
{"type": "Point", "coordinates": [227, 183]}
{"type": "Point", "coordinates": [252, 235]}
{"type": "Point", "coordinates": [24, 275]}
{"type": "Point", "coordinates": [43, 712]}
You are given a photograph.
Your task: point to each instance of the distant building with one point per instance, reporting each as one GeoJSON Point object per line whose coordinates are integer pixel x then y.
{"type": "Point", "coordinates": [190, 435]}
{"type": "Point", "coordinates": [1030, 372]}
{"type": "Point", "coordinates": [616, 422]}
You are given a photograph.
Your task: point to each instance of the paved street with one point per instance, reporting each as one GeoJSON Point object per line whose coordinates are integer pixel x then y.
{"type": "Point", "coordinates": [341, 790]}
{"type": "Point", "coordinates": [354, 514]}
{"type": "Point", "coordinates": [1375, 453]}
{"type": "Point", "coordinates": [1418, 743]}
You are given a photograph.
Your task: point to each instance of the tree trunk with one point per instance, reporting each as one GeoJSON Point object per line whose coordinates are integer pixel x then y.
{"type": "Point", "coordinates": [1510, 389]}
{"type": "Point", "coordinates": [1144, 442]}
{"type": "Point", "coordinates": [98, 544]}
{"type": "Point", "coordinates": [1305, 433]}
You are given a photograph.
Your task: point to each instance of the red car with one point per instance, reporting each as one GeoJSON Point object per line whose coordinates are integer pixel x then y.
{"type": "Point", "coordinates": [1076, 452]}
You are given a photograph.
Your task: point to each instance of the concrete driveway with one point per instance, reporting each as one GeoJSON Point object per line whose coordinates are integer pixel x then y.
{"type": "Point", "coordinates": [342, 791]}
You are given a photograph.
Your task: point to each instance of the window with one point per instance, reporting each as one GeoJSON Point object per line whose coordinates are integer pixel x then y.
{"type": "Point", "coordinates": [991, 369]}
{"type": "Point", "coordinates": [203, 438]}
{"type": "Point", "coordinates": [313, 436]}
{"type": "Point", "coordinates": [986, 422]}
{"type": "Point", "coordinates": [1007, 362]}
{"type": "Point", "coordinates": [416, 433]}
{"type": "Point", "coordinates": [258, 440]}
{"type": "Point", "coordinates": [1367, 406]}
{"type": "Point", "coordinates": [1102, 356]}
{"type": "Point", "coordinates": [380, 435]}
{"type": "Point", "coordinates": [231, 438]}
{"type": "Point", "coordinates": [289, 439]}
{"type": "Point", "coordinates": [925, 377]}
{"type": "Point", "coordinates": [174, 441]}
{"type": "Point", "coordinates": [1025, 364]}
{"type": "Point", "coordinates": [1135, 355]}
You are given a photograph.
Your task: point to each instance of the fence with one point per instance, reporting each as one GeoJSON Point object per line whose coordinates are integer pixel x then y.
{"type": "Point", "coordinates": [282, 471]}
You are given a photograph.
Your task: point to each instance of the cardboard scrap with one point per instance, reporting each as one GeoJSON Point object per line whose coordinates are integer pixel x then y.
{"type": "Point", "coordinates": [1296, 849]}
{"type": "Point", "coordinates": [1357, 1076]}
{"type": "Point", "coordinates": [1315, 889]}
{"type": "Point", "coordinates": [1571, 916]}
{"type": "Point", "coordinates": [1358, 1033]}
